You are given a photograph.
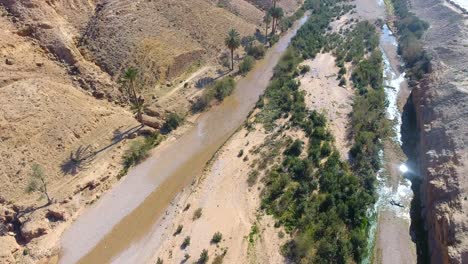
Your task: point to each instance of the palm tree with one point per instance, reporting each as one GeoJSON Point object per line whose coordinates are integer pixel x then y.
{"type": "Point", "coordinates": [276, 13]}
{"type": "Point", "coordinates": [233, 42]}
{"type": "Point", "coordinates": [130, 90]}
{"type": "Point", "coordinates": [267, 21]}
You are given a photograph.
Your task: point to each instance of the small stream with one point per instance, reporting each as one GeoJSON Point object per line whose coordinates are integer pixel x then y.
{"type": "Point", "coordinates": [394, 196]}
{"type": "Point", "coordinates": [393, 81]}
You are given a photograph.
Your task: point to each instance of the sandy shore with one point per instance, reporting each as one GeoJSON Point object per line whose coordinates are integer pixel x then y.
{"type": "Point", "coordinates": [229, 205]}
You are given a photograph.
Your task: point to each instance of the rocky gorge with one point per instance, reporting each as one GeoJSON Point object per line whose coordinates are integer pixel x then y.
{"type": "Point", "coordinates": [441, 107]}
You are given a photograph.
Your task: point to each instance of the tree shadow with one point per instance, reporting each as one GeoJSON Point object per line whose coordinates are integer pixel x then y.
{"type": "Point", "coordinates": [17, 223]}
{"type": "Point", "coordinates": [78, 160]}
{"type": "Point", "coordinates": [120, 135]}
{"type": "Point", "coordinates": [82, 158]}
{"type": "Point", "coordinates": [201, 83]}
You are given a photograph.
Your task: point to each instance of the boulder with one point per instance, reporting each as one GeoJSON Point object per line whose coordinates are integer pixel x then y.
{"type": "Point", "coordinates": [146, 131]}
{"type": "Point", "coordinates": [9, 61]}
{"type": "Point", "coordinates": [55, 214]}
{"type": "Point", "coordinates": [153, 111]}
{"type": "Point", "coordinates": [151, 121]}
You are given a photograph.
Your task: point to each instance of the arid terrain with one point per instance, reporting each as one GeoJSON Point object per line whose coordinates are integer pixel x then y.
{"type": "Point", "coordinates": [441, 103]}
{"type": "Point", "coordinates": [62, 107]}
{"type": "Point", "coordinates": [60, 65]}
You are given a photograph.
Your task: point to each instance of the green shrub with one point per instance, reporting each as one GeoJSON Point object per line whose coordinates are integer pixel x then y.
{"type": "Point", "coordinates": [185, 243]}
{"type": "Point", "coordinates": [197, 214]}
{"type": "Point", "coordinates": [216, 238]}
{"type": "Point", "coordinates": [256, 51]}
{"type": "Point", "coordinates": [203, 257]}
{"type": "Point", "coordinates": [295, 149]}
{"type": "Point", "coordinates": [246, 65]}
{"type": "Point", "coordinates": [223, 88]}
{"type": "Point", "coordinates": [173, 121]}
{"type": "Point", "coordinates": [138, 151]}
{"type": "Point", "coordinates": [304, 69]}
{"type": "Point", "coordinates": [325, 150]}
{"type": "Point", "coordinates": [178, 230]}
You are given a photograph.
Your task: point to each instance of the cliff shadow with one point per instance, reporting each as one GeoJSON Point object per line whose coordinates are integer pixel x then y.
{"type": "Point", "coordinates": [410, 139]}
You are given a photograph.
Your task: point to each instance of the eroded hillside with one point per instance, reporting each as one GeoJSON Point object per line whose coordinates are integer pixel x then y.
{"type": "Point", "coordinates": [441, 103]}
{"type": "Point", "coordinates": [61, 107]}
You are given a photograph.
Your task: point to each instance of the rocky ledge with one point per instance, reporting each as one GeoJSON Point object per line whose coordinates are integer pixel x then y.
{"type": "Point", "coordinates": [441, 102]}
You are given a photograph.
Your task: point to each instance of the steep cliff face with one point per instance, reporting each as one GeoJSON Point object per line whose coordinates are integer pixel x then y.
{"type": "Point", "coordinates": [441, 102]}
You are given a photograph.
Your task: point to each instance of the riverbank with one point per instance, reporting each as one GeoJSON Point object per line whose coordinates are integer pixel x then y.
{"type": "Point", "coordinates": [128, 210]}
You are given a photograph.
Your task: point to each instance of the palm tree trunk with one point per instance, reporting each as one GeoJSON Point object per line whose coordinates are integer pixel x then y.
{"type": "Point", "coordinates": [232, 59]}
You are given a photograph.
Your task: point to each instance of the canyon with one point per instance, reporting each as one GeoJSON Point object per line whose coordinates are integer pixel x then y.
{"type": "Point", "coordinates": [62, 106]}
{"type": "Point", "coordinates": [441, 105]}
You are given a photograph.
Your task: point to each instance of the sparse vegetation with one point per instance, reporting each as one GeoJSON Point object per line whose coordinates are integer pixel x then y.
{"type": "Point", "coordinates": [203, 257]}
{"type": "Point", "coordinates": [138, 151]}
{"type": "Point", "coordinates": [178, 230]}
{"type": "Point", "coordinates": [216, 238]}
{"type": "Point", "coordinates": [38, 182]}
{"type": "Point", "coordinates": [197, 214]}
{"type": "Point", "coordinates": [256, 51]}
{"type": "Point", "coordinates": [304, 69]}
{"type": "Point", "coordinates": [253, 232]}
{"type": "Point", "coordinates": [246, 65]}
{"type": "Point", "coordinates": [252, 179]}
{"type": "Point", "coordinates": [319, 199]}
{"type": "Point", "coordinates": [185, 243]}
{"type": "Point", "coordinates": [219, 90]}
{"type": "Point", "coordinates": [159, 261]}
{"type": "Point", "coordinates": [410, 31]}
{"type": "Point", "coordinates": [173, 121]}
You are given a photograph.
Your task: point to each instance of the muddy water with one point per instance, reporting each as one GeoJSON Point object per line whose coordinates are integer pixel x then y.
{"type": "Point", "coordinates": [126, 215]}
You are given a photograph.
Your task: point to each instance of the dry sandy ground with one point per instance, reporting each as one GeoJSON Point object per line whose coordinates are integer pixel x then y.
{"type": "Point", "coordinates": [324, 95]}
{"type": "Point", "coordinates": [228, 206]}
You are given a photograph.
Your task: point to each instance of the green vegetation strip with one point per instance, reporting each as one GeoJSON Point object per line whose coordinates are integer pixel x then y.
{"type": "Point", "coordinates": [320, 200]}
{"type": "Point", "coordinates": [410, 31]}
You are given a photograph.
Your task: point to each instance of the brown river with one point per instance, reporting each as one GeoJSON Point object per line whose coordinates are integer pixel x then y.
{"type": "Point", "coordinates": [118, 228]}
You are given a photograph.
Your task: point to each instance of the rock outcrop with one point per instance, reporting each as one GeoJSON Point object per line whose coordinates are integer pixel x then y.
{"type": "Point", "coordinates": [441, 102]}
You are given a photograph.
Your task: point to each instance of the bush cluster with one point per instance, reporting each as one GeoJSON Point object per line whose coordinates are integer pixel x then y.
{"type": "Point", "coordinates": [318, 198]}
{"type": "Point", "coordinates": [246, 65]}
{"type": "Point", "coordinates": [138, 151]}
{"type": "Point", "coordinates": [410, 31]}
{"type": "Point", "coordinates": [219, 90]}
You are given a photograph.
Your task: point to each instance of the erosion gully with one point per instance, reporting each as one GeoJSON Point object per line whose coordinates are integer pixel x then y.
{"type": "Point", "coordinates": [119, 227]}
{"type": "Point", "coordinates": [396, 235]}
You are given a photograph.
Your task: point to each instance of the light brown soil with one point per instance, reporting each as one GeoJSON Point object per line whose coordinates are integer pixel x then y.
{"type": "Point", "coordinates": [228, 206]}
{"type": "Point", "coordinates": [324, 95]}
{"type": "Point", "coordinates": [48, 116]}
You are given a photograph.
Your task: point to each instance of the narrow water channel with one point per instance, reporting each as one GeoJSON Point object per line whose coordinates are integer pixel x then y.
{"type": "Point", "coordinates": [116, 227]}
{"type": "Point", "coordinates": [390, 238]}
